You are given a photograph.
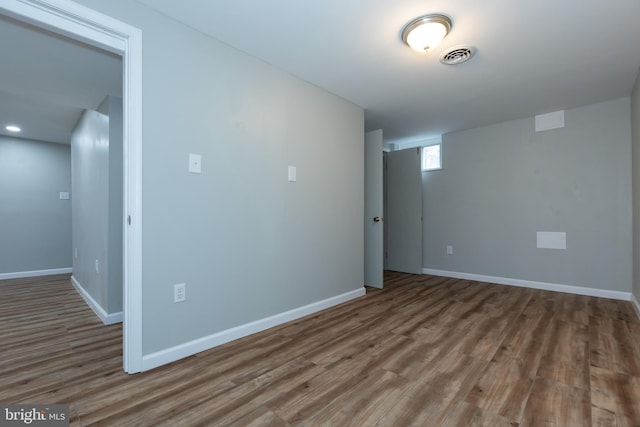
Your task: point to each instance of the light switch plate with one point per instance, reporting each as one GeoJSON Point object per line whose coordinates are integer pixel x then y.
{"type": "Point", "coordinates": [64, 195]}
{"type": "Point", "coordinates": [195, 163]}
{"type": "Point", "coordinates": [291, 173]}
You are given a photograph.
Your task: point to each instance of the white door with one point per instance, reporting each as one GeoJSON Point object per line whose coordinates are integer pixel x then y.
{"type": "Point", "coordinates": [373, 197]}
{"type": "Point", "coordinates": [404, 211]}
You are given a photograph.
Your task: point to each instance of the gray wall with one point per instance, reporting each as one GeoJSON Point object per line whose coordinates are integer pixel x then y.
{"type": "Point", "coordinates": [112, 106]}
{"type": "Point", "coordinates": [35, 230]}
{"type": "Point", "coordinates": [96, 159]}
{"type": "Point", "coordinates": [247, 243]}
{"type": "Point", "coordinates": [503, 183]}
{"type": "Point", "coordinates": [635, 132]}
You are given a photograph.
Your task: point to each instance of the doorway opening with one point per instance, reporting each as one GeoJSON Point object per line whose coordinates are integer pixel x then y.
{"type": "Point", "coordinates": [100, 31]}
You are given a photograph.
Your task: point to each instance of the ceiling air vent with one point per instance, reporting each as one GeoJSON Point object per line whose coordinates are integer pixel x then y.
{"type": "Point", "coordinates": [457, 55]}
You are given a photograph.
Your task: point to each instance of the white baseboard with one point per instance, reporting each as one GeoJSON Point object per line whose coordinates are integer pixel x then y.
{"type": "Point", "coordinates": [570, 289]}
{"type": "Point", "coordinates": [107, 318]}
{"type": "Point", "coordinates": [635, 304]}
{"type": "Point", "coordinates": [172, 354]}
{"type": "Point", "coordinates": [36, 273]}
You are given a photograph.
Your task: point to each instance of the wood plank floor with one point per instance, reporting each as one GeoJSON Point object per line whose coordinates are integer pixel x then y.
{"type": "Point", "coordinates": [425, 351]}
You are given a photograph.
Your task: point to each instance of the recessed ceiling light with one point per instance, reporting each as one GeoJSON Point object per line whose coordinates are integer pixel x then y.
{"type": "Point", "coordinates": [424, 33]}
{"type": "Point", "coordinates": [13, 128]}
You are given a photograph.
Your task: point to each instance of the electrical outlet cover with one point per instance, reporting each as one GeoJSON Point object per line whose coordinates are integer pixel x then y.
{"type": "Point", "coordinates": [179, 292]}
{"type": "Point", "coordinates": [195, 163]}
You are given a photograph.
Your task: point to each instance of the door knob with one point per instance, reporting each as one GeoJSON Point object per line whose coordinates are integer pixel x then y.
{"type": "Point", "coordinates": [377, 219]}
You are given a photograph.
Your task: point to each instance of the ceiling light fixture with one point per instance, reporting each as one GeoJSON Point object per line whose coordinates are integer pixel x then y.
{"type": "Point", "coordinates": [424, 33]}
{"type": "Point", "coordinates": [13, 128]}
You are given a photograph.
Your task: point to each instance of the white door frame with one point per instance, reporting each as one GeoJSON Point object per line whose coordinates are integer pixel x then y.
{"type": "Point", "coordinates": [88, 26]}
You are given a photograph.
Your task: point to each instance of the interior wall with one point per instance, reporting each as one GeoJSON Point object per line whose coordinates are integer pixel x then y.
{"type": "Point", "coordinates": [502, 184]}
{"type": "Point", "coordinates": [112, 107]}
{"type": "Point", "coordinates": [635, 133]}
{"type": "Point", "coordinates": [247, 243]}
{"type": "Point", "coordinates": [90, 207]}
{"type": "Point", "coordinates": [35, 225]}
{"type": "Point", "coordinates": [97, 182]}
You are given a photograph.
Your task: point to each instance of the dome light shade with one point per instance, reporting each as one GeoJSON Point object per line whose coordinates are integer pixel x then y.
{"type": "Point", "coordinates": [426, 32]}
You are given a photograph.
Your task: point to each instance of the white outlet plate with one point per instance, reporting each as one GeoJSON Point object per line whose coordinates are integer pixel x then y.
{"type": "Point", "coordinates": [449, 250]}
{"type": "Point", "coordinates": [195, 163]}
{"type": "Point", "coordinates": [179, 292]}
{"type": "Point", "coordinates": [292, 174]}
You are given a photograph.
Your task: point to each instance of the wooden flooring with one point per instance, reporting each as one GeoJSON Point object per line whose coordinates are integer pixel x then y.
{"type": "Point", "coordinates": [425, 351]}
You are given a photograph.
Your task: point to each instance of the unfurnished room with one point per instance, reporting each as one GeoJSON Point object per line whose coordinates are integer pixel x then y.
{"type": "Point", "coordinates": [296, 213]}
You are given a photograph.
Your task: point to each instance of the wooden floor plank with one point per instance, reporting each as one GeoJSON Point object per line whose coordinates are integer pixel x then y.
{"type": "Point", "coordinates": [554, 404]}
{"type": "Point", "coordinates": [425, 350]}
{"type": "Point", "coordinates": [616, 393]}
{"type": "Point", "coordinates": [367, 402]}
{"type": "Point", "coordinates": [467, 415]}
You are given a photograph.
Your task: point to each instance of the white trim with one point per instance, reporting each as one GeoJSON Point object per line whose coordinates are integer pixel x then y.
{"type": "Point", "coordinates": [91, 27]}
{"type": "Point", "coordinates": [132, 206]}
{"type": "Point", "coordinates": [35, 273]}
{"type": "Point", "coordinates": [570, 289]}
{"type": "Point", "coordinates": [403, 145]}
{"type": "Point", "coordinates": [107, 318]}
{"type": "Point", "coordinates": [172, 354]}
{"type": "Point", "coordinates": [635, 304]}
{"type": "Point", "coordinates": [66, 18]}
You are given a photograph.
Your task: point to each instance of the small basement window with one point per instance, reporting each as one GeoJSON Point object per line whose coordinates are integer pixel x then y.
{"type": "Point", "coordinates": [432, 157]}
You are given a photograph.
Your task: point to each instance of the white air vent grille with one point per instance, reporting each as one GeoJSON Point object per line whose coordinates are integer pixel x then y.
{"type": "Point", "coordinates": [457, 55]}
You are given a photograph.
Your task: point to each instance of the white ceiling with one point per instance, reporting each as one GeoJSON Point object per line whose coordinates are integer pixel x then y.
{"type": "Point", "coordinates": [533, 56]}
{"type": "Point", "coordinates": [47, 80]}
